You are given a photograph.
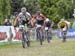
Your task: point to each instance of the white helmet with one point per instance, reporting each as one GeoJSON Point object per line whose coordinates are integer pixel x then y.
{"type": "Point", "coordinates": [23, 9]}
{"type": "Point", "coordinates": [62, 19]}
{"type": "Point", "coordinates": [47, 20]}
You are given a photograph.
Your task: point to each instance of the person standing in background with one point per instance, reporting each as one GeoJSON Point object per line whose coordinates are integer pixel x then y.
{"type": "Point", "coordinates": [7, 22]}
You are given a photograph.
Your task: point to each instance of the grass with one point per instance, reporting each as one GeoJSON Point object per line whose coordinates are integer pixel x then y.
{"type": "Point", "coordinates": [56, 48]}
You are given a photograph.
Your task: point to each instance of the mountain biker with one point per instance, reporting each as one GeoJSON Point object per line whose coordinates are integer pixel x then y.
{"type": "Point", "coordinates": [39, 21]}
{"type": "Point", "coordinates": [23, 19]}
{"type": "Point", "coordinates": [48, 27]}
{"type": "Point", "coordinates": [63, 27]}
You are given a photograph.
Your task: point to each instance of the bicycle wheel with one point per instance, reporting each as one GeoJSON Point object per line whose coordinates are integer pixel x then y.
{"type": "Point", "coordinates": [37, 34]}
{"type": "Point", "coordinates": [23, 44]}
{"type": "Point", "coordinates": [64, 36]}
{"type": "Point", "coordinates": [48, 36]}
{"type": "Point", "coordinates": [23, 40]}
{"type": "Point", "coordinates": [41, 38]}
{"type": "Point", "coordinates": [27, 39]}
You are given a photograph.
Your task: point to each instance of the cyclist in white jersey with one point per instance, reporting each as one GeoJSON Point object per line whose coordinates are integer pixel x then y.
{"type": "Point", "coordinates": [23, 20]}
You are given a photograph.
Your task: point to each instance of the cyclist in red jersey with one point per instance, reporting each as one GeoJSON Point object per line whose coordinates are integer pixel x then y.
{"type": "Point", "coordinates": [39, 19]}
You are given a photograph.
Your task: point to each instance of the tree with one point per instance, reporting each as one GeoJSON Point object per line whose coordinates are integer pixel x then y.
{"type": "Point", "coordinates": [4, 9]}
{"type": "Point", "coordinates": [32, 6]}
{"type": "Point", "coordinates": [16, 6]}
{"type": "Point", "coordinates": [56, 9]}
{"type": "Point", "coordinates": [66, 7]}
{"type": "Point", "coordinates": [1, 15]}
{"type": "Point", "coordinates": [49, 8]}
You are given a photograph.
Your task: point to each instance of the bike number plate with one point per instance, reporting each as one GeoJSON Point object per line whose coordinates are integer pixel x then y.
{"type": "Point", "coordinates": [46, 28]}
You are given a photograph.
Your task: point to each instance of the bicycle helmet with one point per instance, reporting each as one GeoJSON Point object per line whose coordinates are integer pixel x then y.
{"type": "Point", "coordinates": [47, 20]}
{"type": "Point", "coordinates": [62, 20]}
{"type": "Point", "coordinates": [23, 9]}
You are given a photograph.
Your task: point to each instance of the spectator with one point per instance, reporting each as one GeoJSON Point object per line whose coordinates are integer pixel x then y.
{"type": "Point", "coordinates": [7, 22]}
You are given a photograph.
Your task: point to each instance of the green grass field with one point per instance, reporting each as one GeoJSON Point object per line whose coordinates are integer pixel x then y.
{"type": "Point", "coordinates": [56, 48]}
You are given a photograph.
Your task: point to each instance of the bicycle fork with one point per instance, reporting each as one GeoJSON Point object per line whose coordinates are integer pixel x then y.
{"type": "Point", "coordinates": [64, 36]}
{"type": "Point", "coordinates": [25, 39]}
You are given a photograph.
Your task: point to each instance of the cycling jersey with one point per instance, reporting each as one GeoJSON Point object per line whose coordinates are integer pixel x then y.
{"type": "Point", "coordinates": [39, 19]}
{"type": "Point", "coordinates": [48, 24]}
{"type": "Point", "coordinates": [62, 24]}
{"type": "Point", "coordinates": [23, 18]}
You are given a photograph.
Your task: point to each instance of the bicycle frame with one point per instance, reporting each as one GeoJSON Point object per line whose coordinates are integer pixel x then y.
{"type": "Point", "coordinates": [39, 34]}
{"type": "Point", "coordinates": [48, 34]}
{"type": "Point", "coordinates": [25, 38]}
{"type": "Point", "coordinates": [64, 32]}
